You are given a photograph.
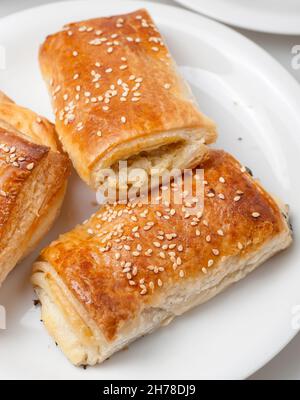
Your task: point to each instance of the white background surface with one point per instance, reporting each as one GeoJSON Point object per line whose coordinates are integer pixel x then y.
{"type": "Point", "coordinates": [272, 16]}
{"type": "Point", "coordinates": [287, 364]}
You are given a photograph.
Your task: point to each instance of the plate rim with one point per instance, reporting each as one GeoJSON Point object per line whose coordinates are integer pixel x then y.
{"type": "Point", "coordinates": [291, 87]}
{"type": "Point", "coordinates": [224, 20]}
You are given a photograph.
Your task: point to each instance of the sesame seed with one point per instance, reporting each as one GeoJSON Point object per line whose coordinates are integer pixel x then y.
{"type": "Point", "coordinates": [151, 285]}
{"type": "Point", "coordinates": [162, 255]}
{"type": "Point", "coordinates": [255, 214]}
{"type": "Point", "coordinates": [75, 53]}
{"type": "Point", "coordinates": [123, 119]}
{"type": "Point", "coordinates": [220, 232]}
{"type": "Point", "coordinates": [208, 238]}
{"type": "Point", "coordinates": [99, 133]}
{"type": "Point", "coordinates": [2, 193]}
{"type": "Point", "coordinates": [204, 270]}
{"type": "Point", "coordinates": [240, 246]}
{"type": "Point", "coordinates": [215, 252]}
{"type": "Point", "coordinates": [221, 179]}
{"type": "Point", "coordinates": [181, 273]}
{"type": "Point", "coordinates": [154, 48]}
{"type": "Point", "coordinates": [97, 41]}
{"type": "Point", "coordinates": [30, 166]}
{"type": "Point", "coordinates": [134, 271]}
{"type": "Point", "coordinates": [108, 70]}
{"type": "Point", "coordinates": [159, 282]}
{"type": "Point", "coordinates": [236, 198]}
{"type": "Point", "coordinates": [198, 233]}
{"type": "Point", "coordinates": [167, 86]}
{"type": "Point", "coordinates": [122, 67]}
{"type": "Point", "coordinates": [210, 263]}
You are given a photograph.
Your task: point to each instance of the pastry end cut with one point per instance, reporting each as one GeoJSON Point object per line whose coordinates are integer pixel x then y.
{"type": "Point", "coordinates": [153, 156]}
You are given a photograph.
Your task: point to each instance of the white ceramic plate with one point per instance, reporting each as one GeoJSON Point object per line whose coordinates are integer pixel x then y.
{"type": "Point", "coordinates": [273, 16]}
{"type": "Point", "coordinates": [251, 97]}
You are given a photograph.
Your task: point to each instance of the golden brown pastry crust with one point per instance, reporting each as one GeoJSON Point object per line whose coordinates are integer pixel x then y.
{"type": "Point", "coordinates": [114, 76]}
{"type": "Point", "coordinates": [13, 172]}
{"type": "Point", "coordinates": [32, 177]}
{"type": "Point", "coordinates": [126, 260]}
{"type": "Point", "coordinates": [22, 120]}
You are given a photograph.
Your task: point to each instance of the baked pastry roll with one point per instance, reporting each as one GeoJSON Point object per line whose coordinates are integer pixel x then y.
{"type": "Point", "coordinates": [132, 268]}
{"type": "Point", "coordinates": [32, 181]}
{"type": "Point", "coordinates": [25, 122]}
{"type": "Point", "coordinates": [117, 95]}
